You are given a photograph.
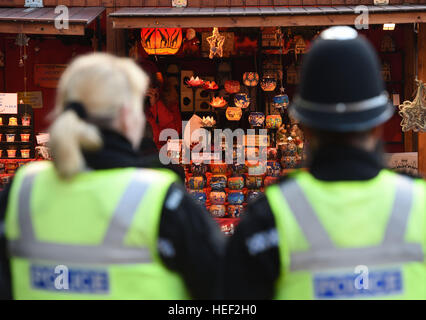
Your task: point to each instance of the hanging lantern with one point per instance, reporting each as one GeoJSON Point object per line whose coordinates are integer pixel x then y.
{"type": "Point", "coordinates": [234, 113]}
{"type": "Point", "coordinates": [241, 100]}
{"type": "Point", "coordinates": [232, 86]}
{"type": "Point", "coordinates": [268, 83]}
{"type": "Point", "coordinates": [161, 41]}
{"type": "Point", "coordinates": [250, 79]}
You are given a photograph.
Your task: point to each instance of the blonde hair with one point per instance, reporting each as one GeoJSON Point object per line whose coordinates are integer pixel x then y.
{"type": "Point", "coordinates": [103, 84]}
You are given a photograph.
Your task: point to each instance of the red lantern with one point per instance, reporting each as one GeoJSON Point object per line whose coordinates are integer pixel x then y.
{"type": "Point", "coordinates": [161, 41]}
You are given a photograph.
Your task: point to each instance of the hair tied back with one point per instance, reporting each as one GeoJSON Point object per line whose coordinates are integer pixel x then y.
{"type": "Point", "coordinates": [78, 108]}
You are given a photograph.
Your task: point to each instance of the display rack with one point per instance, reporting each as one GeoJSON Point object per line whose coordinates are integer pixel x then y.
{"type": "Point", "coordinates": [8, 163]}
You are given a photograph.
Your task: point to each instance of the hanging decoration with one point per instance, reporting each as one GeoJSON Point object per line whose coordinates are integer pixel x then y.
{"type": "Point", "coordinates": [22, 42]}
{"type": "Point", "coordinates": [300, 45]}
{"type": "Point", "coordinates": [161, 41]}
{"type": "Point", "coordinates": [386, 72]}
{"type": "Point", "coordinates": [250, 79]}
{"type": "Point", "coordinates": [216, 41]}
{"type": "Point", "coordinates": [413, 113]}
{"type": "Point", "coordinates": [387, 44]}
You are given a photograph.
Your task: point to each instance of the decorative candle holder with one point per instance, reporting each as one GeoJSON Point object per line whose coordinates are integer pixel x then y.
{"type": "Point", "coordinates": [10, 137]}
{"type": "Point", "coordinates": [235, 210]}
{"type": "Point", "coordinates": [250, 79]}
{"type": "Point", "coordinates": [241, 100]}
{"type": "Point", "coordinates": [235, 197]}
{"type": "Point", "coordinates": [26, 120]}
{"type": "Point", "coordinates": [25, 137]}
{"type": "Point", "coordinates": [268, 83]}
{"type": "Point", "coordinates": [232, 86]}
{"type": "Point", "coordinates": [13, 121]}
{"type": "Point", "coordinates": [11, 153]}
{"type": "Point", "coordinates": [25, 153]}
{"type": "Point", "coordinates": [217, 211]}
{"type": "Point", "coordinates": [234, 113]}
{"type": "Point", "coordinates": [218, 182]}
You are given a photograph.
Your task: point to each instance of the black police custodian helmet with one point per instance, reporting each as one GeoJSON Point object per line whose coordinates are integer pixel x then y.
{"type": "Point", "coordinates": [341, 84]}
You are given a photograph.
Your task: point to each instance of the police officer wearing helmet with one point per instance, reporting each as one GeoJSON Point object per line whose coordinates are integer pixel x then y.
{"type": "Point", "coordinates": [347, 228]}
{"type": "Point", "coordinates": [99, 222]}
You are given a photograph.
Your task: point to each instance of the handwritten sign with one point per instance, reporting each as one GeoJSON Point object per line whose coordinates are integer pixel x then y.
{"type": "Point", "coordinates": [33, 98]}
{"type": "Point", "coordinates": [42, 138]}
{"type": "Point", "coordinates": [8, 103]}
{"type": "Point", "coordinates": [406, 162]}
{"type": "Point", "coordinates": [47, 75]}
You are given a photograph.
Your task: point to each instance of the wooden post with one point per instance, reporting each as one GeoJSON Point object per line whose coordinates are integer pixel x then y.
{"type": "Point", "coordinates": [422, 76]}
{"type": "Point", "coordinates": [115, 37]}
{"type": "Point", "coordinates": [409, 84]}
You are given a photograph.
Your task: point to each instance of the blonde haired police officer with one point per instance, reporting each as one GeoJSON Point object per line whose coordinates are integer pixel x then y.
{"type": "Point", "coordinates": [99, 222]}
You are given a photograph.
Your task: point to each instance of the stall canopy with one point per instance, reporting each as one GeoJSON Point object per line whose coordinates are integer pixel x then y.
{"type": "Point", "coordinates": [127, 18]}
{"type": "Point", "coordinates": [42, 20]}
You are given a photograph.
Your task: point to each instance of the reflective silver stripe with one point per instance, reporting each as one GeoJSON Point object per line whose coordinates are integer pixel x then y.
{"type": "Point", "coordinates": [112, 250]}
{"type": "Point", "coordinates": [359, 106]}
{"type": "Point", "coordinates": [306, 216]}
{"type": "Point", "coordinates": [24, 212]}
{"type": "Point", "coordinates": [82, 254]}
{"type": "Point", "coordinates": [397, 224]}
{"type": "Point", "coordinates": [317, 260]}
{"type": "Point", "coordinates": [125, 211]}
{"type": "Point", "coordinates": [327, 255]}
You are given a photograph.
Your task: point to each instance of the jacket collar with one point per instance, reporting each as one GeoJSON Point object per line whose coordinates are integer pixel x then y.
{"type": "Point", "coordinates": [346, 163]}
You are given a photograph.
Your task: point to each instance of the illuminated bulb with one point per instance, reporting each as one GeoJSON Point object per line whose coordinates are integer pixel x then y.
{"type": "Point", "coordinates": [389, 26]}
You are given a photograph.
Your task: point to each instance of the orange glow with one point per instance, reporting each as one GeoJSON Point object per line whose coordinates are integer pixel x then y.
{"type": "Point", "coordinates": [161, 41]}
{"type": "Point", "coordinates": [218, 102]}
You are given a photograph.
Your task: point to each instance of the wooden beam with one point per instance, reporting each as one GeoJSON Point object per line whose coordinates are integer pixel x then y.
{"type": "Point", "coordinates": [410, 143]}
{"type": "Point", "coordinates": [115, 38]}
{"type": "Point", "coordinates": [262, 21]}
{"type": "Point", "coordinates": [40, 28]}
{"type": "Point", "coordinates": [422, 76]}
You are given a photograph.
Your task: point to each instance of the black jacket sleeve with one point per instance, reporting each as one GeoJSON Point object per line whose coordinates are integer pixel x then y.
{"type": "Point", "coordinates": [5, 290]}
{"type": "Point", "coordinates": [191, 244]}
{"type": "Point", "coordinates": [252, 257]}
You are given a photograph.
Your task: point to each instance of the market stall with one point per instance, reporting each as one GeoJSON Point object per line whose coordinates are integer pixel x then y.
{"type": "Point", "coordinates": [244, 79]}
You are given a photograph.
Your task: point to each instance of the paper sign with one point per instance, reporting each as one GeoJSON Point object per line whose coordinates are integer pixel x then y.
{"type": "Point", "coordinates": [174, 145]}
{"type": "Point", "coordinates": [256, 140]}
{"type": "Point", "coordinates": [396, 100]}
{"type": "Point", "coordinates": [8, 103]}
{"type": "Point", "coordinates": [43, 138]}
{"type": "Point", "coordinates": [199, 157]}
{"type": "Point", "coordinates": [33, 98]}
{"type": "Point", "coordinates": [47, 75]}
{"type": "Point", "coordinates": [406, 162]}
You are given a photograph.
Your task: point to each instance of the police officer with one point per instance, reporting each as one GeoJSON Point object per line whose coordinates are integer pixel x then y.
{"type": "Point", "coordinates": [347, 228]}
{"type": "Point", "coordinates": [97, 223]}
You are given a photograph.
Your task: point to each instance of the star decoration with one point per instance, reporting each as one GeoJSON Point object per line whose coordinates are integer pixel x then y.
{"type": "Point", "coordinates": [414, 113]}
{"type": "Point", "coordinates": [216, 41]}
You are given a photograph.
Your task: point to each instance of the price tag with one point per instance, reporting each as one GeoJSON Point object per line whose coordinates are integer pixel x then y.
{"type": "Point", "coordinates": [8, 103]}
{"type": "Point", "coordinates": [200, 157]}
{"type": "Point", "coordinates": [43, 138]}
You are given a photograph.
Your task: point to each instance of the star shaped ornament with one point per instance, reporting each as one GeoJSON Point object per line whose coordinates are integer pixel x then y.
{"type": "Point", "coordinates": [414, 113]}
{"type": "Point", "coordinates": [216, 41]}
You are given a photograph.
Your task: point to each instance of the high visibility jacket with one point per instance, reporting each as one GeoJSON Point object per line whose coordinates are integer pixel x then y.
{"type": "Point", "coordinates": [350, 239]}
{"type": "Point", "coordinates": [94, 237]}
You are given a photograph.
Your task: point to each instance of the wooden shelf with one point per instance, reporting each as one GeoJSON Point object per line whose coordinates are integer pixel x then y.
{"type": "Point", "coordinates": [15, 127]}
{"type": "Point", "coordinates": [14, 142]}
